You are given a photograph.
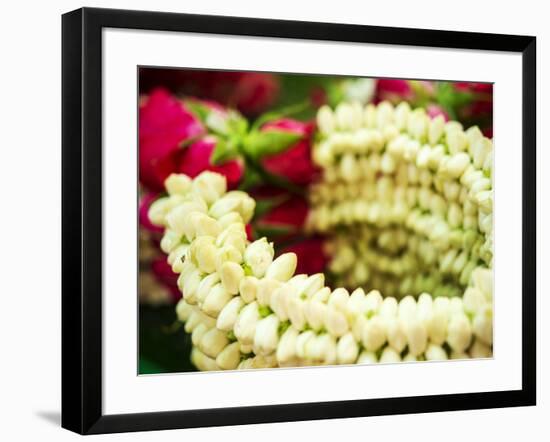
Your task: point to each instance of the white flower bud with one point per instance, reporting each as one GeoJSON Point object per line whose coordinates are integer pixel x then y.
{"type": "Point", "coordinates": [258, 256]}
{"type": "Point", "coordinates": [227, 254]}
{"type": "Point", "coordinates": [205, 286]}
{"type": "Point", "coordinates": [345, 116]}
{"type": "Point", "coordinates": [286, 350]}
{"type": "Point", "coordinates": [437, 326]}
{"type": "Point", "coordinates": [456, 306]}
{"type": "Point", "coordinates": [480, 350]}
{"type": "Point", "coordinates": [245, 326]}
{"type": "Point", "coordinates": [395, 333]}
{"type": "Point", "coordinates": [308, 286]}
{"type": "Point", "coordinates": [388, 308]}
{"type": "Point", "coordinates": [216, 300]}
{"type": "Point", "coordinates": [231, 275]}
{"type": "Point", "coordinates": [339, 299]}
{"type": "Point", "coordinates": [325, 120]}
{"type": "Point", "coordinates": [455, 165]}
{"type": "Point", "coordinates": [417, 335]}
{"type": "Point", "coordinates": [198, 332]}
{"type": "Point", "coordinates": [266, 287]}
{"type": "Point", "coordinates": [229, 357]}
{"type": "Point", "coordinates": [367, 357]}
{"type": "Point", "coordinates": [349, 169]}
{"type": "Point", "coordinates": [203, 362]}
{"type": "Point", "coordinates": [459, 333]}
{"type": "Point", "coordinates": [389, 356]}
{"type": "Point", "coordinates": [483, 326]}
{"type": "Point", "coordinates": [336, 322]}
{"type": "Point", "coordinates": [246, 204]}
{"type": "Point", "coordinates": [205, 255]}
{"type": "Point", "coordinates": [482, 278]}
{"type": "Point", "coordinates": [373, 301]}
{"type": "Point", "coordinates": [188, 285]}
{"type": "Point", "coordinates": [170, 240]}
{"type": "Point", "coordinates": [283, 267]}
{"type": "Point", "coordinates": [279, 300]}
{"type": "Point", "coordinates": [374, 334]}
{"type": "Point", "coordinates": [266, 337]}
{"type": "Point", "coordinates": [301, 342]}
{"type": "Point", "coordinates": [177, 184]}
{"type": "Point", "coordinates": [177, 256]}
{"type": "Point", "coordinates": [407, 308]}
{"type": "Point", "coordinates": [210, 186]}
{"type": "Point", "coordinates": [233, 238]}
{"type": "Point", "coordinates": [213, 342]}
{"type": "Point", "coordinates": [321, 348]}
{"type": "Point", "coordinates": [248, 288]}
{"type": "Point", "coordinates": [456, 141]}
{"type": "Point", "coordinates": [356, 302]}
{"type": "Point", "coordinates": [229, 314]}
{"type": "Point", "coordinates": [435, 130]}
{"type": "Point", "coordinates": [178, 218]}
{"type": "Point", "coordinates": [184, 310]}
{"type": "Point", "coordinates": [315, 314]}
{"type": "Point", "coordinates": [418, 123]}
{"type": "Point", "coordinates": [474, 300]}
{"type": "Point", "coordinates": [295, 308]}
{"type": "Point", "coordinates": [224, 206]}
{"type": "Point", "coordinates": [230, 219]}
{"type": "Point", "coordinates": [347, 349]}
{"type": "Point", "coordinates": [321, 295]}
{"type": "Point", "coordinates": [435, 353]}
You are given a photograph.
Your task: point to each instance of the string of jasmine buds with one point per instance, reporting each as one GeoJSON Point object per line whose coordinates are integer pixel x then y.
{"type": "Point", "coordinates": [416, 190]}
{"type": "Point", "coordinates": [247, 309]}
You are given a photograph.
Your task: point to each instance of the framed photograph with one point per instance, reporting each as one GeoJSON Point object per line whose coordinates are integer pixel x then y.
{"type": "Point", "coordinates": [269, 221]}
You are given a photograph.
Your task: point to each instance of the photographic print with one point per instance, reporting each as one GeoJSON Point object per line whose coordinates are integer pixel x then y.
{"type": "Point", "coordinates": [294, 220]}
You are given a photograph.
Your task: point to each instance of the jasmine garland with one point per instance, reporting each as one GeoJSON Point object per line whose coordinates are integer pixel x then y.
{"type": "Point", "coordinates": [417, 192]}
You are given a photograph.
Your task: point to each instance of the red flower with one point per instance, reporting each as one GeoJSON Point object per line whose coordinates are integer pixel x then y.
{"type": "Point", "coordinates": [393, 90]}
{"type": "Point", "coordinates": [164, 275]}
{"type": "Point", "coordinates": [284, 219]}
{"type": "Point", "coordinates": [474, 87]}
{"type": "Point", "coordinates": [197, 157]}
{"type": "Point", "coordinates": [254, 92]}
{"type": "Point", "coordinates": [311, 256]}
{"type": "Point", "coordinates": [294, 163]}
{"type": "Point", "coordinates": [250, 92]}
{"type": "Point", "coordinates": [164, 124]}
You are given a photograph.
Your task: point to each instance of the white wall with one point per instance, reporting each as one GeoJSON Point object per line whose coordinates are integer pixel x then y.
{"type": "Point", "coordinates": [30, 216]}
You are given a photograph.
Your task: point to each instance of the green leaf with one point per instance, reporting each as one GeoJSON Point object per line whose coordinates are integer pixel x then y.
{"type": "Point", "coordinates": [225, 150]}
{"type": "Point", "coordinates": [273, 230]}
{"type": "Point", "coordinates": [258, 144]}
{"type": "Point", "coordinates": [200, 110]}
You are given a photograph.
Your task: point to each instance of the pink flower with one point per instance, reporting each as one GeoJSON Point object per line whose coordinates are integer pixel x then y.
{"type": "Point", "coordinates": [294, 163]}
{"type": "Point", "coordinates": [196, 158]}
{"type": "Point", "coordinates": [164, 123]}
{"type": "Point", "coordinates": [393, 90]}
{"type": "Point", "coordinates": [311, 256]}
{"type": "Point", "coordinates": [434, 110]}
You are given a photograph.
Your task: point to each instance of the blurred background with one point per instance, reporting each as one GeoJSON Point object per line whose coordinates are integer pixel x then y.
{"type": "Point", "coordinates": [195, 120]}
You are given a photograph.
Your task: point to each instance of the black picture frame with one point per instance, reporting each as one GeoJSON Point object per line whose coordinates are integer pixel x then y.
{"type": "Point", "coordinates": [82, 220]}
